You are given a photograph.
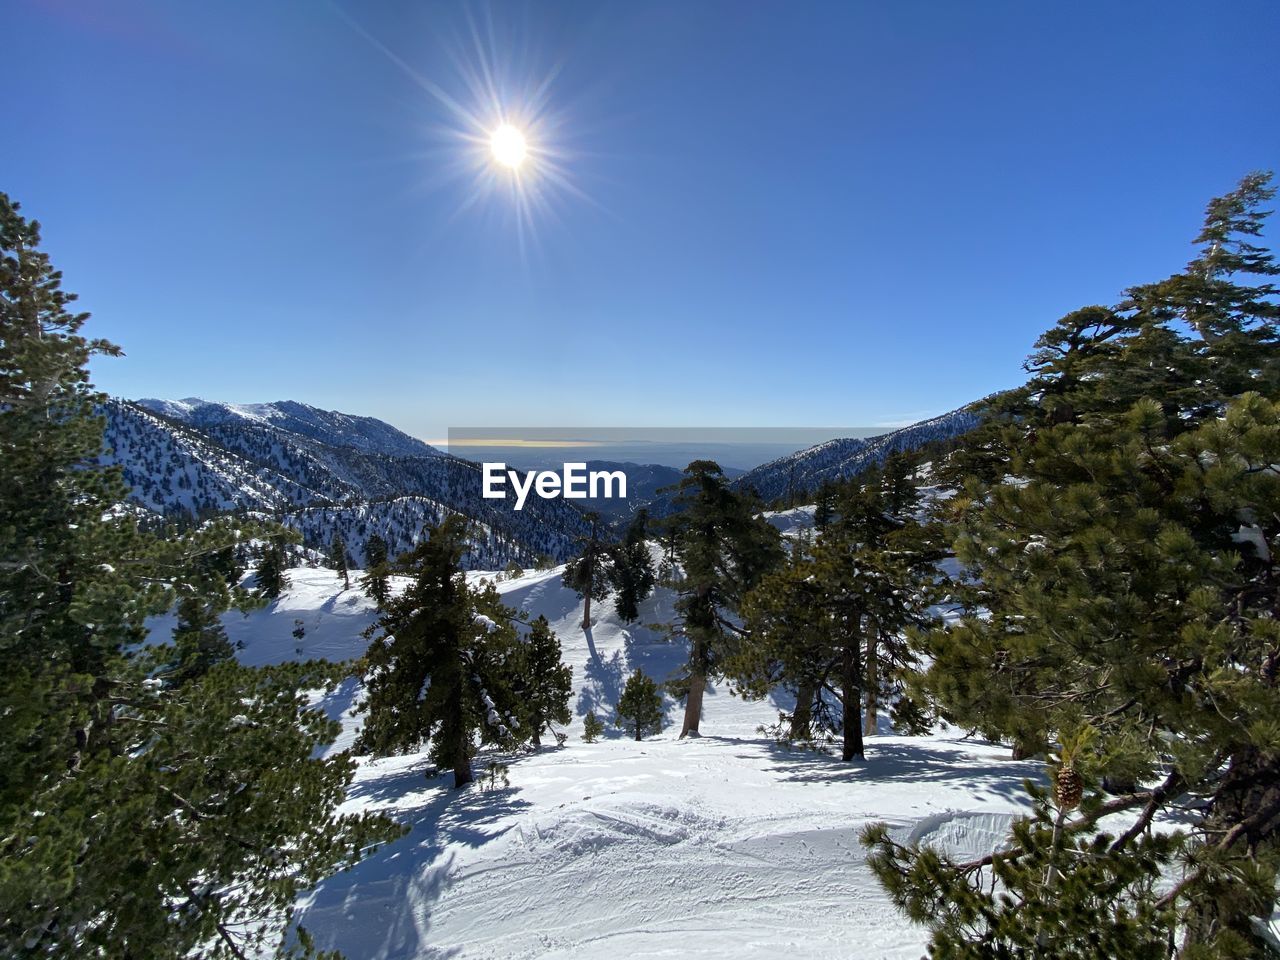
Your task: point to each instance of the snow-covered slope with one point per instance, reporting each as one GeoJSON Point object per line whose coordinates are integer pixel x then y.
{"type": "Point", "coordinates": [805, 471]}
{"type": "Point", "coordinates": [724, 846]}
{"type": "Point", "coordinates": [287, 416]}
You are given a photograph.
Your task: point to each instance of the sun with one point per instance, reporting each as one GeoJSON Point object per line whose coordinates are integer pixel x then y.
{"type": "Point", "coordinates": [508, 146]}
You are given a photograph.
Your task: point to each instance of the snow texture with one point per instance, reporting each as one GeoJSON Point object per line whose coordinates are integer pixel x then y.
{"type": "Point", "coordinates": [723, 846]}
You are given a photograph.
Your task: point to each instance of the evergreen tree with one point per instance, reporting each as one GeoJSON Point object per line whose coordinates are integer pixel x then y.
{"type": "Point", "coordinates": [825, 506]}
{"type": "Point", "coordinates": [544, 683]}
{"type": "Point", "coordinates": [588, 574]}
{"type": "Point", "coordinates": [640, 706]}
{"type": "Point", "coordinates": [271, 566]}
{"type": "Point", "coordinates": [724, 547]}
{"type": "Point", "coordinates": [377, 571]}
{"type": "Point", "coordinates": [833, 622]}
{"type": "Point", "coordinates": [592, 727]}
{"type": "Point", "coordinates": [443, 668]}
{"type": "Point", "coordinates": [631, 573]}
{"type": "Point", "coordinates": [1125, 586]}
{"type": "Point", "coordinates": [338, 559]}
{"type": "Point", "coordinates": [200, 641]}
{"type": "Point", "coordinates": [143, 812]}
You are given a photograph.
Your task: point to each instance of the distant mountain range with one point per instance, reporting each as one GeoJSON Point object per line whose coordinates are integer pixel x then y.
{"type": "Point", "coordinates": [320, 472]}
{"type": "Point", "coordinates": [325, 473]}
{"type": "Point", "coordinates": [803, 472]}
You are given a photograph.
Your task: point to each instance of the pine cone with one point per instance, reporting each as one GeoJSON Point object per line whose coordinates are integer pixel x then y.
{"type": "Point", "coordinates": [1068, 788]}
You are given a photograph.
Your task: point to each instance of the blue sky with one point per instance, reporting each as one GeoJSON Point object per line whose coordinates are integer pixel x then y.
{"type": "Point", "coordinates": [763, 214]}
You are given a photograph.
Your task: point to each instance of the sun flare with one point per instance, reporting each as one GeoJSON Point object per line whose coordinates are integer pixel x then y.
{"type": "Point", "coordinates": [508, 146]}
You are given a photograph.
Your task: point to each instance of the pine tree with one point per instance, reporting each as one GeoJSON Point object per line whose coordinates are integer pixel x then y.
{"type": "Point", "coordinates": [592, 727]}
{"type": "Point", "coordinates": [631, 572]}
{"type": "Point", "coordinates": [640, 706]}
{"type": "Point", "coordinates": [832, 620]}
{"type": "Point", "coordinates": [1125, 585]}
{"type": "Point", "coordinates": [338, 559]}
{"type": "Point", "coordinates": [724, 547]}
{"type": "Point", "coordinates": [200, 641]}
{"type": "Point", "coordinates": [588, 574]}
{"type": "Point", "coordinates": [545, 683]}
{"type": "Point", "coordinates": [271, 566]}
{"type": "Point", "coordinates": [377, 571]}
{"type": "Point", "coordinates": [443, 668]}
{"type": "Point", "coordinates": [143, 811]}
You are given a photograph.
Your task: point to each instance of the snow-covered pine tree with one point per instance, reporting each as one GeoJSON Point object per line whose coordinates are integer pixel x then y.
{"type": "Point", "coordinates": [442, 669]}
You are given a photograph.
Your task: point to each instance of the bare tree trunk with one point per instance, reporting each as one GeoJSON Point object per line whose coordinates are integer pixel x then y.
{"type": "Point", "coordinates": [802, 716]}
{"type": "Point", "coordinates": [586, 610]}
{"type": "Point", "coordinates": [872, 723]}
{"type": "Point", "coordinates": [851, 693]}
{"type": "Point", "coordinates": [693, 705]}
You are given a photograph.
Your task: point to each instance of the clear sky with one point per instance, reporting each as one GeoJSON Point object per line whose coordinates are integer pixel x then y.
{"type": "Point", "coordinates": [747, 214]}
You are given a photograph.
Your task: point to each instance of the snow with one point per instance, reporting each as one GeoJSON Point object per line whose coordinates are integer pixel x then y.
{"type": "Point", "coordinates": [727, 845]}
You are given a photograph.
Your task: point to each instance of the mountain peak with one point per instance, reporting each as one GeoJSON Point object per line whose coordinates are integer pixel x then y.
{"type": "Point", "coordinates": [366, 434]}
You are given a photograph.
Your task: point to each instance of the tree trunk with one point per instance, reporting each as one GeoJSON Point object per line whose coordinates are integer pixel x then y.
{"type": "Point", "coordinates": [851, 693]}
{"type": "Point", "coordinates": [1024, 749]}
{"type": "Point", "coordinates": [802, 716]}
{"type": "Point", "coordinates": [638, 737]}
{"type": "Point", "coordinates": [872, 723]}
{"type": "Point", "coordinates": [462, 768]}
{"type": "Point", "coordinates": [693, 705]}
{"type": "Point", "coordinates": [462, 748]}
{"type": "Point", "coordinates": [586, 610]}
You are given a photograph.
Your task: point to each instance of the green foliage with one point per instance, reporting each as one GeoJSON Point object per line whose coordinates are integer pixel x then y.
{"type": "Point", "coordinates": [631, 572]}
{"type": "Point", "coordinates": [1118, 536]}
{"type": "Point", "coordinates": [156, 800]}
{"type": "Point", "coordinates": [496, 776]}
{"type": "Point", "coordinates": [588, 574]}
{"type": "Point", "coordinates": [1062, 893]}
{"type": "Point", "coordinates": [377, 571]}
{"type": "Point", "coordinates": [833, 618]}
{"type": "Point", "coordinates": [724, 547]}
{"type": "Point", "coordinates": [338, 559]}
{"type": "Point", "coordinates": [543, 683]}
{"type": "Point", "coordinates": [592, 727]}
{"type": "Point", "coordinates": [640, 706]}
{"type": "Point", "coordinates": [442, 669]}
{"type": "Point", "coordinates": [272, 562]}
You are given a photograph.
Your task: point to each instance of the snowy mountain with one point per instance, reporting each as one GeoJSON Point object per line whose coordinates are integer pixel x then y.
{"type": "Point", "coordinates": [321, 473]}
{"type": "Point", "coordinates": [328, 427]}
{"type": "Point", "coordinates": [727, 846]}
{"type": "Point", "coordinates": [803, 472]}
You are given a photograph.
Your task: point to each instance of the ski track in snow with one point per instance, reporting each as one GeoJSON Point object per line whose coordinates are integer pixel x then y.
{"type": "Point", "coordinates": [721, 846]}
